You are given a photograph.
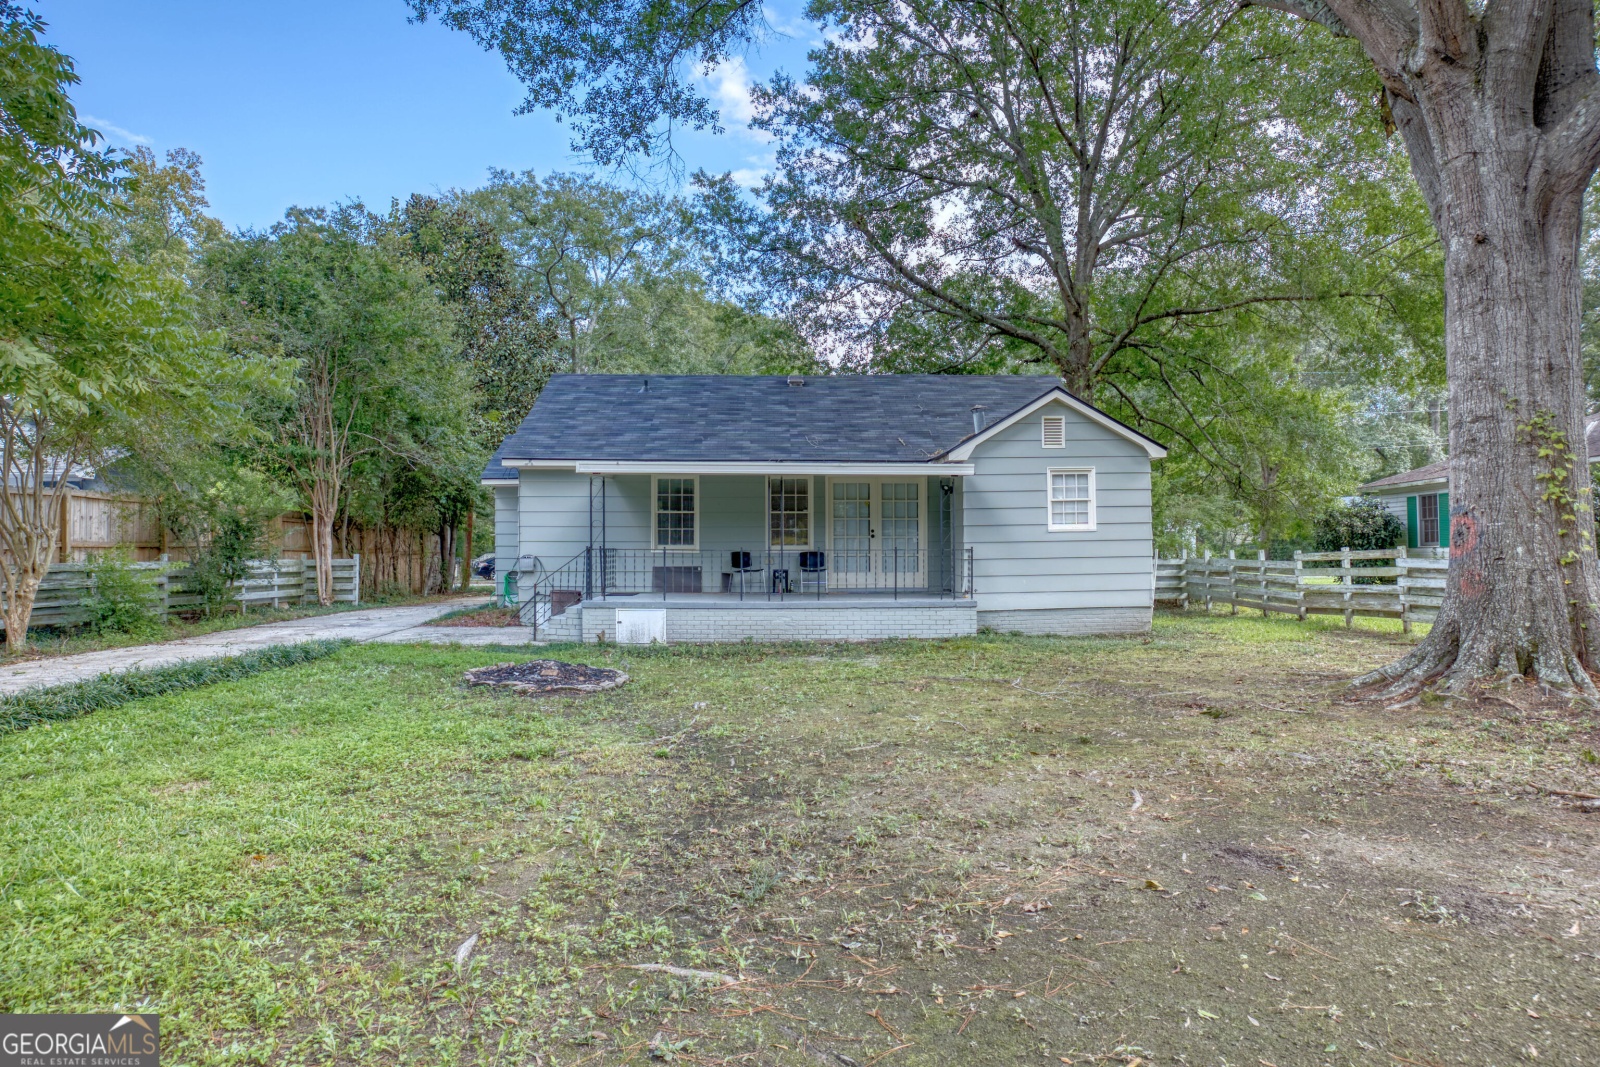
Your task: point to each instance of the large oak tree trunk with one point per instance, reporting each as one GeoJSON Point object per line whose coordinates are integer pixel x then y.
{"type": "Point", "coordinates": [1523, 584]}
{"type": "Point", "coordinates": [1499, 105]}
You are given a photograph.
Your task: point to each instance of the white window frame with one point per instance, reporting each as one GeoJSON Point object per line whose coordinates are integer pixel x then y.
{"type": "Point", "coordinates": [1049, 501]}
{"type": "Point", "coordinates": [655, 512]}
{"type": "Point", "coordinates": [811, 512]}
{"type": "Point", "coordinates": [1438, 522]}
{"type": "Point", "coordinates": [1044, 431]}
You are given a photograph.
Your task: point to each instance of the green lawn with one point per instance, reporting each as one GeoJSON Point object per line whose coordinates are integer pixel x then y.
{"type": "Point", "coordinates": [1183, 848]}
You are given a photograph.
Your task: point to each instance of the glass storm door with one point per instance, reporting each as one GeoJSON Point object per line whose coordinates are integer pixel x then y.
{"type": "Point", "coordinates": [899, 531]}
{"type": "Point", "coordinates": [877, 535]}
{"type": "Point", "coordinates": [850, 558]}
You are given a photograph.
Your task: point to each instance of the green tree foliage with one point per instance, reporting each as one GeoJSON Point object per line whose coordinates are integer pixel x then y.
{"type": "Point", "coordinates": [162, 212]}
{"type": "Point", "coordinates": [502, 334]}
{"type": "Point", "coordinates": [617, 69]}
{"type": "Point", "coordinates": [378, 371]}
{"type": "Point", "coordinates": [96, 349]}
{"type": "Point", "coordinates": [626, 276]}
{"type": "Point", "coordinates": [1080, 186]}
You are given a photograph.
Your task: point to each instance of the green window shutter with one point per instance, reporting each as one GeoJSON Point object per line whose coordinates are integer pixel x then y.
{"type": "Point", "coordinates": [1411, 522]}
{"type": "Point", "coordinates": [1444, 520]}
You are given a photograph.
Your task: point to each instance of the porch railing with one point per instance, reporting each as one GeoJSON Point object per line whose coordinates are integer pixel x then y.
{"type": "Point", "coordinates": [778, 574]}
{"type": "Point", "coordinates": [546, 592]}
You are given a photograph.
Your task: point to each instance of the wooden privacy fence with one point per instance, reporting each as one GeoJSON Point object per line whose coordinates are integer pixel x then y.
{"type": "Point", "coordinates": [274, 583]}
{"type": "Point", "coordinates": [1312, 583]}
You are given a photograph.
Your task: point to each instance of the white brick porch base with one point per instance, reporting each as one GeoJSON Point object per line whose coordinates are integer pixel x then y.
{"type": "Point", "coordinates": [837, 619]}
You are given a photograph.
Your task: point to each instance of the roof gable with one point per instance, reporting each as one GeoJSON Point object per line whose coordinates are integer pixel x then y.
{"type": "Point", "coordinates": [1059, 397]}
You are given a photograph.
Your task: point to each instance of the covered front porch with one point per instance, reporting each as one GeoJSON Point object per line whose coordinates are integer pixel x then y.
{"type": "Point", "coordinates": [862, 540]}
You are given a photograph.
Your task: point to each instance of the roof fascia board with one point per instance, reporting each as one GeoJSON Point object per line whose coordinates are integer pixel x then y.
{"type": "Point", "coordinates": [497, 481]}
{"type": "Point", "coordinates": [838, 469]}
{"type": "Point", "coordinates": [964, 450]}
{"type": "Point", "coordinates": [1420, 483]}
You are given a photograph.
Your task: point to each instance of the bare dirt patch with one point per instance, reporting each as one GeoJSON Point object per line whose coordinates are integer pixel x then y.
{"type": "Point", "coordinates": [547, 676]}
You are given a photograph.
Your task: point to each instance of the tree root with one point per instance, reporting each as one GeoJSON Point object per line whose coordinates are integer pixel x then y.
{"type": "Point", "coordinates": [1441, 665]}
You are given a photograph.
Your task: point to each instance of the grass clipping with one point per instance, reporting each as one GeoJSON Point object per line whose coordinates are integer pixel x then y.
{"type": "Point", "coordinates": [32, 706]}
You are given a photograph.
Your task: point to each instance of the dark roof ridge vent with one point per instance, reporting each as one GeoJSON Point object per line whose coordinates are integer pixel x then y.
{"type": "Point", "coordinates": [795, 381]}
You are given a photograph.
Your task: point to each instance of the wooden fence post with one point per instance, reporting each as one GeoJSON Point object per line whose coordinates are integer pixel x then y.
{"type": "Point", "coordinates": [1233, 588]}
{"type": "Point", "coordinates": [1402, 582]}
{"type": "Point", "coordinates": [1348, 579]}
{"type": "Point", "coordinates": [355, 579]}
{"type": "Point", "coordinates": [165, 584]}
{"type": "Point", "coordinates": [1206, 570]}
{"type": "Point", "coordinates": [1261, 579]}
{"type": "Point", "coordinates": [1299, 585]}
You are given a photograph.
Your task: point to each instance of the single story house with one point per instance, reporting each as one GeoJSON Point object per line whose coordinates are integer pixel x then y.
{"type": "Point", "coordinates": [636, 507]}
{"type": "Point", "coordinates": [1421, 498]}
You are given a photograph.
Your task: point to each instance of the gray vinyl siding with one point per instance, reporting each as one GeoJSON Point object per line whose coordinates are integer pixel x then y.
{"type": "Point", "coordinates": [506, 547]}
{"type": "Point", "coordinates": [1023, 566]}
{"type": "Point", "coordinates": [1395, 504]}
{"type": "Point", "coordinates": [553, 515]}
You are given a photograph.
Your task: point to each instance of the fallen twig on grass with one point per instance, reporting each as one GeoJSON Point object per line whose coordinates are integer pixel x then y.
{"type": "Point", "coordinates": [1575, 795]}
{"type": "Point", "coordinates": [684, 972]}
{"type": "Point", "coordinates": [1313, 948]}
{"type": "Point", "coordinates": [886, 1052]}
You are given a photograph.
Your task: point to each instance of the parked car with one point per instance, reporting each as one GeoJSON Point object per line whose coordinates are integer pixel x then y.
{"type": "Point", "coordinates": [483, 566]}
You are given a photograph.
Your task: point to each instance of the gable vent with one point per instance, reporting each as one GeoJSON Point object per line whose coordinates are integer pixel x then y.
{"type": "Point", "coordinates": [1053, 431]}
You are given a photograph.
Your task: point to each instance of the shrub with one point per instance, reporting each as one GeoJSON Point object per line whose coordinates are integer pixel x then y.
{"type": "Point", "coordinates": [22, 710]}
{"type": "Point", "coordinates": [228, 526]}
{"type": "Point", "coordinates": [121, 599]}
{"type": "Point", "coordinates": [1361, 526]}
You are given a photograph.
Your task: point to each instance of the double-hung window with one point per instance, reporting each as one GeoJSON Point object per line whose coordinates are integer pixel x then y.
{"type": "Point", "coordinates": [789, 512]}
{"type": "Point", "coordinates": [1071, 499]}
{"type": "Point", "coordinates": [676, 525]}
{"type": "Point", "coordinates": [1428, 519]}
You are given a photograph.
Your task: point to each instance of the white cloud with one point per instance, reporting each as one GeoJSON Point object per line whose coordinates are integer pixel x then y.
{"type": "Point", "coordinates": [111, 129]}
{"type": "Point", "coordinates": [798, 27]}
{"type": "Point", "coordinates": [749, 177]}
{"type": "Point", "coordinates": [729, 82]}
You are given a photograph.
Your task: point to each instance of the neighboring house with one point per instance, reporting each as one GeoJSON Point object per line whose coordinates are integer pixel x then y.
{"type": "Point", "coordinates": [635, 507]}
{"type": "Point", "coordinates": [1420, 498]}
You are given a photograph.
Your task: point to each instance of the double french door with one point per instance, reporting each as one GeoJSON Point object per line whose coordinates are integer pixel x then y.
{"type": "Point", "coordinates": [877, 534]}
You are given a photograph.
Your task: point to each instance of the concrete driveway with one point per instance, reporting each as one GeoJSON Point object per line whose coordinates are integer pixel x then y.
{"type": "Point", "coordinates": [397, 625]}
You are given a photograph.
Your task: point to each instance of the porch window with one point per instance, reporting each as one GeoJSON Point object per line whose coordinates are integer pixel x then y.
{"type": "Point", "coordinates": [1428, 519]}
{"type": "Point", "coordinates": [675, 512]}
{"type": "Point", "coordinates": [789, 512]}
{"type": "Point", "coordinates": [1071, 499]}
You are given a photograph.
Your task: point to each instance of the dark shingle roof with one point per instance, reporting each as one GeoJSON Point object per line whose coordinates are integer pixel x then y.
{"type": "Point", "coordinates": [1441, 470]}
{"type": "Point", "coordinates": [1431, 472]}
{"type": "Point", "coordinates": [859, 418]}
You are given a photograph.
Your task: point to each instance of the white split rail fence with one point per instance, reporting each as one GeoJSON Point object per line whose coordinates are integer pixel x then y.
{"type": "Point", "coordinates": [1312, 583]}
{"type": "Point", "coordinates": [274, 583]}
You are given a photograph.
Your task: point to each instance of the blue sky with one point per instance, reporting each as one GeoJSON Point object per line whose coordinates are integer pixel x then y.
{"type": "Point", "coordinates": [301, 103]}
